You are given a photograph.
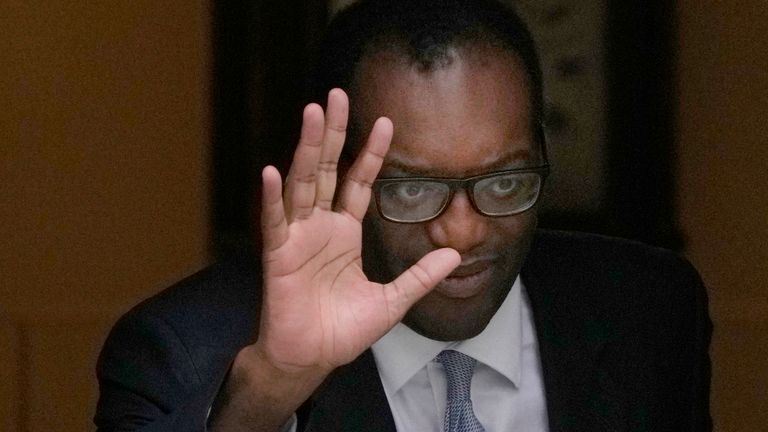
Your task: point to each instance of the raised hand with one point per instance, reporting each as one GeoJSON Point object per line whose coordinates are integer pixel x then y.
{"type": "Point", "coordinates": [319, 309]}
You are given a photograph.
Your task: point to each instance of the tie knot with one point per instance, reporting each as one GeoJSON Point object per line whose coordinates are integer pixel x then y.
{"type": "Point", "coordinates": [459, 368]}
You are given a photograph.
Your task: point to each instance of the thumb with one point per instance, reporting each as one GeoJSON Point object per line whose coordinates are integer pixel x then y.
{"type": "Point", "coordinates": [419, 279]}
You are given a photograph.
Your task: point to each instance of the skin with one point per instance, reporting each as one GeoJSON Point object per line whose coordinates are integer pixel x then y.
{"type": "Point", "coordinates": [470, 117]}
{"type": "Point", "coordinates": [320, 310]}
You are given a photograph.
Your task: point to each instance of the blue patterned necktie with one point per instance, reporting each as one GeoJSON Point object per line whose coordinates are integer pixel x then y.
{"type": "Point", "coordinates": [459, 416]}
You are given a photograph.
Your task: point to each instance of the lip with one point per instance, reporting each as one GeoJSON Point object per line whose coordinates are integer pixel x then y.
{"type": "Point", "coordinates": [470, 268]}
{"type": "Point", "coordinates": [466, 280]}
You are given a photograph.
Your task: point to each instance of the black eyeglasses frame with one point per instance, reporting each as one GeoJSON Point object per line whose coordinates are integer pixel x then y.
{"type": "Point", "coordinates": [454, 184]}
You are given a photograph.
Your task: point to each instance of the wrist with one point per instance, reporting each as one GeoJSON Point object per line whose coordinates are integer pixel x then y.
{"type": "Point", "coordinates": [297, 382]}
{"type": "Point", "coordinates": [259, 395]}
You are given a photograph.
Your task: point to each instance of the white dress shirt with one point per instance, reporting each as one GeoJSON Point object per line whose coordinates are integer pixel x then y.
{"type": "Point", "coordinates": [507, 388]}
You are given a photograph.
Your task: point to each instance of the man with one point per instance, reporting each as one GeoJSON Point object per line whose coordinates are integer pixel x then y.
{"type": "Point", "coordinates": [436, 305]}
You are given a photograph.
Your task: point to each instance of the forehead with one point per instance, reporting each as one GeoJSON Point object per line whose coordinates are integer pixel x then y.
{"type": "Point", "coordinates": [466, 115]}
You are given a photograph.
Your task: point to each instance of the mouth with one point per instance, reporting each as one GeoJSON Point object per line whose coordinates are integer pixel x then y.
{"type": "Point", "coordinates": [466, 281]}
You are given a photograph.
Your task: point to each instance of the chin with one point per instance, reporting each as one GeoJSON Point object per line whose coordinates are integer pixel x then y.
{"type": "Point", "coordinates": [445, 331]}
{"type": "Point", "coordinates": [446, 319]}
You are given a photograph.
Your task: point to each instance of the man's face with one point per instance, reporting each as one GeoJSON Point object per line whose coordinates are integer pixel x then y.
{"type": "Point", "coordinates": [467, 117]}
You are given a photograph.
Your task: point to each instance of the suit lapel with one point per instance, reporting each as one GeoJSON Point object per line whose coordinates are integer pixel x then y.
{"type": "Point", "coordinates": [580, 395]}
{"type": "Point", "coordinates": [353, 400]}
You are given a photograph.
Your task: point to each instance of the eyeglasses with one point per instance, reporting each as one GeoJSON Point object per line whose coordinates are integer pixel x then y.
{"type": "Point", "coordinates": [420, 199]}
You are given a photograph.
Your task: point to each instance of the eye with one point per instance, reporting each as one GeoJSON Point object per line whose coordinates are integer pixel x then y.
{"type": "Point", "coordinates": [413, 193]}
{"type": "Point", "coordinates": [409, 191]}
{"type": "Point", "coordinates": [504, 186]}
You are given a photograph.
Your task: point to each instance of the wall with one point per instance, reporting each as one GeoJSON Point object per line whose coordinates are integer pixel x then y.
{"type": "Point", "coordinates": [103, 185]}
{"type": "Point", "coordinates": [723, 192]}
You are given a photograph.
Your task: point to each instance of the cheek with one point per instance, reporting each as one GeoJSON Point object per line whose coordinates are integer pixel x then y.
{"type": "Point", "coordinates": [511, 237]}
{"type": "Point", "coordinates": [510, 228]}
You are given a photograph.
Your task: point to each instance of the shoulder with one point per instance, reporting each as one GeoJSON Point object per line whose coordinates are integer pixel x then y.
{"type": "Point", "coordinates": [595, 250]}
{"type": "Point", "coordinates": [597, 257]}
{"type": "Point", "coordinates": [204, 309]}
{"type": "Point", "coordinates": [187, 333]}
{"type": "Point", "coordinates": [613, 273]}
{"type": "Point", "coordinates": [640, 310]}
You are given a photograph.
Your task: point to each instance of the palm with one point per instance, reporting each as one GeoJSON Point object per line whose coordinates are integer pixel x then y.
{"type": "Point", "coordinates": [319, 308]}
{"type": "Point", "coordinates": [335, 311]}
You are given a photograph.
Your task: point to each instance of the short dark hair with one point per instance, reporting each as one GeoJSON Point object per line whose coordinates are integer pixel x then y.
{"type": "Point", "coordinates": [422, 30]}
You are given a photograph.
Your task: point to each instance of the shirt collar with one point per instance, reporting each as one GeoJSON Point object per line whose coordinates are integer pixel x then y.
{"type": "Point", "coordinates": [402, 352]}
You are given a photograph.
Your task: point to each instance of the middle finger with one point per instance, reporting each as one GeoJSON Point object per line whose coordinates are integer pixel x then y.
{"type": "Point", "coordinates": [301, 181]}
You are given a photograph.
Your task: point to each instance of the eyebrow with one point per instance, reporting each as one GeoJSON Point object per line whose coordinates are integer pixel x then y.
{"type": "Point", "coordinates": [510, 160]}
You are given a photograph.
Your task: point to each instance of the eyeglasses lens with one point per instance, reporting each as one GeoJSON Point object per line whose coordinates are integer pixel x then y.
{"type": "Point", "coordinates": [507, 194]}
{"type": "Point", "coordinates": [413, 201]}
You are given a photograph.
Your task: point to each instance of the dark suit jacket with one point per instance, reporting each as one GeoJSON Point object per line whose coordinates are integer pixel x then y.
{"type": "Point", "coordinates": [623, 331]}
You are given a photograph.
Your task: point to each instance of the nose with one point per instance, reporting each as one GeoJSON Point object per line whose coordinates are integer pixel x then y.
{"type": "Point", "coordinates": [460, 226]}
